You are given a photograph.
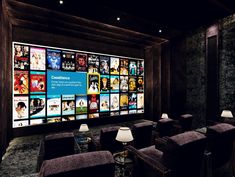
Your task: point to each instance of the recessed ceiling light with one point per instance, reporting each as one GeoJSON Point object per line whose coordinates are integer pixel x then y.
{"type": "Point", "coordinates": [160, 31]}
{"type": "Point", "coordinates": [118, 18]}
{"type": "Point", "coordinates": [61, 2]}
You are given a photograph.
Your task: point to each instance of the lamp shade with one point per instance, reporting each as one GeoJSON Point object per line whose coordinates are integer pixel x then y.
{"type": "Point", "coordinates": [164, 116]}
{"type": "Point", "coordinates": [227, 113]}
{"type": "Point", "coordinates": [124, 135]}
{"type": "Point", "coordinates": [83, 128]}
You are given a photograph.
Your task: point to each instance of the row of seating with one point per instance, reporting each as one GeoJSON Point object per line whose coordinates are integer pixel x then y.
{"type": "Point", "coordinates": [185, 154]}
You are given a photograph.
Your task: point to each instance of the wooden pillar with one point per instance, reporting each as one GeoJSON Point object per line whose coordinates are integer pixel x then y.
{"type": "Point", "coordinates": [153, 82]}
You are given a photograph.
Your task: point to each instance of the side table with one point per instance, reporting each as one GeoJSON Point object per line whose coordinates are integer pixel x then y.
{"type": "Point", "coordinates": [82, 144]}
{"type": "Point", "coordinates": [123, 164]}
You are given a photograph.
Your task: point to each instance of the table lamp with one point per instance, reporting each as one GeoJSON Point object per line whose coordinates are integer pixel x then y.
{"type": "Point", "coordinates": [226, 114]}
{"type": "Point", "coordinates": [124, 135]}
{"type": "Point", "coordinates": [164, 116]}
{"type": "Point", "coordinates": [83, 128]}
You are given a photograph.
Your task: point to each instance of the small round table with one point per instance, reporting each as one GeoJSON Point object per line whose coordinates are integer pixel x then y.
{"type": "Point", "coordinates": [123, 165]}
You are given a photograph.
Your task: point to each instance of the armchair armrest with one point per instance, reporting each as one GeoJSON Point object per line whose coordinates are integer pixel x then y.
{"type": "Point", "coordinates": [151, 167]}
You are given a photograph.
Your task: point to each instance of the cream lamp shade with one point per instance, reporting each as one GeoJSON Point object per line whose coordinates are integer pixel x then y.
{"type": "Point", "coordinates": [83, 128]}
{"type": "Point", "coordinates": [164, 116]}
{"type": "Point", "coordinates": [227, 114]}
{"type": "Point", "coordinates": [124, 135]}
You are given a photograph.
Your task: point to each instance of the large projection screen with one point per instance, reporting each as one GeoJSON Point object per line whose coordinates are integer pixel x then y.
{"type": "Point", "coordinates": [56, 84]}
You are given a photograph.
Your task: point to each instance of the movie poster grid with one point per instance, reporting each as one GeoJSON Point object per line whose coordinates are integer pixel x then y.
{"type": "Point", "coordinates": [117, 91]}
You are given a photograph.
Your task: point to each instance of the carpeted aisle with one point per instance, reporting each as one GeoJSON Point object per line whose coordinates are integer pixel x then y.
{"type": "Point", "coordinates": [21, 157]}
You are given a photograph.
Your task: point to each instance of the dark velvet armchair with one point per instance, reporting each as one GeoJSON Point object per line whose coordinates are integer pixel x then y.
{"type": "Point", "coordinates": [142, 133]}
{"type": "Point", "coordinates": [55, 145]}
{"type": "Point", "coordinates": [165, 127]}
{"type": "Point", "coordinates": [185, 122]}
{"type": "Point", "coordinates": [106, 140]}
{"type": "Point", "coordinates": [177, 156]}
{"type": "Point", "coordinates": [90, 164]}
{"type": "Point", "coordinates": [221, 145]}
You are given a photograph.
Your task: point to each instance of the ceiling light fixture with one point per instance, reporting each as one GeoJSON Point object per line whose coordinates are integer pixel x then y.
{"type": "Point", "coordinates": [118, 18]}
{"type": "Point", "coordinates": [160, 31]}
{"type": "Point", "coordinates": [61, 2]}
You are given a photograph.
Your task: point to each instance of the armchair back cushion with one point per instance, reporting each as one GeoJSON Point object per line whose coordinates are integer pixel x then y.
{"type": "Point", "coordinates": [142, 133]}
{"type": "Point", "coordinates": [98, 164]}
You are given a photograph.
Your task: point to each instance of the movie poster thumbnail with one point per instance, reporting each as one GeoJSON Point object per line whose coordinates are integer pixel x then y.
{"type": "Point", "coordinates": [123, 112]}
{"type": "Point", "coordinates": [124, 83]}
{"type": "Point", "coordinates": [132, 111]}
{"type": "Point", "coordinates": [93, 63]}
{"type": "Point", "coordinates": [21, 57]}
{"type": "Point", "coordinates": [123, 101]}
{"type": "Point", "coordinates": [53, 59]}
{"type": "Point", "coordinates": [37, 106]}
{"type": "Point", "coordinates": [132, 67]}
{"type": "Point", "coordinates": [93, 84]}
{"type": "Point", "coordinates": [140, 67]}
{"type": "Point", "coordinates": [81, 62]}
{"type": "Point", "coordinates": [67, 118]}
{"type": "Point", "coordinates": [104, 84]}
{"type": "Point", "coordinates": [79, 117]}
{"type": "Point", "coordinates": [20, 107]}
{"type": "Point", "coordinates": [114, 102]}
{"type": "Point", "coordinates": [114, 83]}
{"type": "Point", "coordinates": [104, 65]}
{"type": "Point", "coordinates": [93, 103]}
{"type": "Point", "coordinates": [123, 66]}
{"type": "Point", "coordinates": [53, 105]}
{"type": "Point", "coordinates": [132, 100]}
{"type": "Point", "coordinates": [68, 104]}
{"type": "Point", "coordinates": [81, 104]}
{"type": "Point", "coordinates": [37, 82]}
{"type": "Point", "coordinates": [22, 123]}
{"type": "Point", "coordinates": [92, 116]}
{"type": "Point", "coordinates": [116, 113]}
{"type": "Point", "coordinates": [53, 119]}
{"type": "Point", "coordinates": [36, 121]}
{"type": "Point", "coordinates": [104, 114]}
{"type": "Point", "coordinates": [140, 100]}
{"type": "Point", "coordinates": [37, 58]}
{"type": "Point", "coordinates": [140, 111]}
{"type": "Point", "coordinates": [68, 61]}
{"type": "Point", "coordinates": [140, 83]}
{"type": "Point", "coordinates": [132, 84]}
{"type": "Point", "coordinates": [104, 102]}
{"type": "Point", "coordinates": [21, 82]}
{"type": "Point", "coordinates": [114, 65]}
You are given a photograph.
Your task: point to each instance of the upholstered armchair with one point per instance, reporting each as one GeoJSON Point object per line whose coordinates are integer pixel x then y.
{"type": "Point", "coordinates": [177, 156]}
{"type": "Point", "coordinates": [165, 127]}
{"type": "Point", "coordinates": [90, 164]}
{"type": "Point", "coordinates": [185, 122]}
{"type": "Point", "coordinates": [55, 145]}
{"type": "Point", "coordinates": [106, 140]}
{"type": "Point", "coordinates": [221, 145]}
{"type": "Point", "coordinates": [142, 133]}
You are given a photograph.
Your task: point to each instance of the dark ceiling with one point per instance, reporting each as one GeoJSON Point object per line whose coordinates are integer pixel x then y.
{"type": "Point", "coordinates": [146, 16]}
